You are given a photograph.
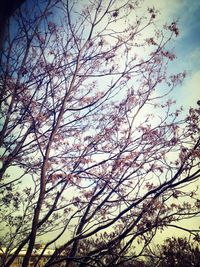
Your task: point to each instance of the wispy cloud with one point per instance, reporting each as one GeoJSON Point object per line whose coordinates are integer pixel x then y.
{"type": "Point", "coordinates": [191, 92]}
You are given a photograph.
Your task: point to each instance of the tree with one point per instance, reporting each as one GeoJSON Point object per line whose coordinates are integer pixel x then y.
{"type": "Point", "coordinates": [176, 252]}
{"type": "Point", "coordinates": [94, 151]}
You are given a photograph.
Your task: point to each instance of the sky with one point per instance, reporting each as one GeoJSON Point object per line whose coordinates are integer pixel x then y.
{"type": "Point", "coordinates": [187, 50]}
{"type": "Point", "coordinates": [186, 46]}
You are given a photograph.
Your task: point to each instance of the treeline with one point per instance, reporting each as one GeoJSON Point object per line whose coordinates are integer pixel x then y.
{"type": "Point", "coordinates": [174, 252]}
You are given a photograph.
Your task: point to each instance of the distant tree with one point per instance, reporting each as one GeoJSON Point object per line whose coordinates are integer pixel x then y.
{"type": "Point", "coordinates": [93, 148]}
{"type": "Point", "coordinates": [176, 252]}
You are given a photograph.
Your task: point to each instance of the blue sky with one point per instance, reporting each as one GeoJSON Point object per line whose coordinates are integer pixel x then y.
{"type": "Point", "coordinates": [186, 46]}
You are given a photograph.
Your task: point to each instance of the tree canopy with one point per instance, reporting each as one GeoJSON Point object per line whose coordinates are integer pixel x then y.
{"type": "Point", "coordinates": [96, 156]}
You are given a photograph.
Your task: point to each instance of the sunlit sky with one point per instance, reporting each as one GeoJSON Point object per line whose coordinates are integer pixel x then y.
{"type": "Point", "coordinates": [186, 47]}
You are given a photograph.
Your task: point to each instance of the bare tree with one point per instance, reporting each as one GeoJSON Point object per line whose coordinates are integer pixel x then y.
{"type": "Point", "coordinates": [94, 151]}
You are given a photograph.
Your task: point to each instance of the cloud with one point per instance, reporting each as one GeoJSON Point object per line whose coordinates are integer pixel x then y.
{"type": "Point", "coordinates": [190, 90]}
{"type": "Point", "coordinates": [187, 12]}
{"type": "Point", "coordinates": [195, 54]}
{"type": "Point", "coordinates": [177, 7]}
